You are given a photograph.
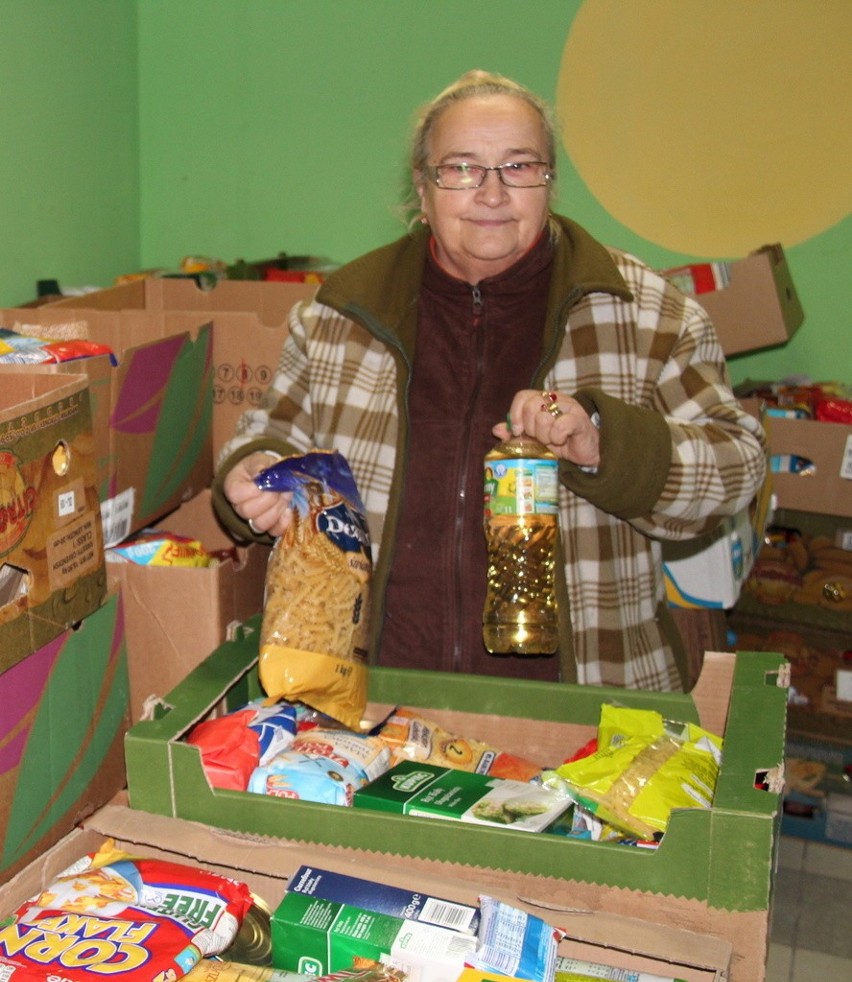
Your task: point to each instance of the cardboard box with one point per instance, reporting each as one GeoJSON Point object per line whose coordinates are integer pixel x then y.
{"type": "Point", "coordinates": [267, 867]}
{"type": "Point", "coordinates": [820, 659]}
{"type": "Point", "coordinates": [759, 308]}
{"type": "Point", "coordinates": [153, 409]}
{"type": "Point", "coordinates": [250, 321]}
{"type": "Point", "coordinates": [712, 872]}
{"type": "Point", "coordinates": [818, 791]}
{"type": "Point", "coordinates": [175, 615]}
{"type": "Point", "coordinates": [825, 486]}
{"type": "Point", "coordinates": [51, 543]}
{"type": "Point", "coordinates": [61, 735]}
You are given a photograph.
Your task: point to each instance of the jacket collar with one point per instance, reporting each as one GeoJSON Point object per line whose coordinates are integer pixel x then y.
{"type": "Point", "coordinates": [381, 287]}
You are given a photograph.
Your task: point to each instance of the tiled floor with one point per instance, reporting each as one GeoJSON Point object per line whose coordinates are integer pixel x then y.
{"type": "Point", "coordinates": [810, 936]}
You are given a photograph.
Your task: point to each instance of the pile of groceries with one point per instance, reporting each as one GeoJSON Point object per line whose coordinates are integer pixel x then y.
{"type": "Point", "coordinates": [114, 915]}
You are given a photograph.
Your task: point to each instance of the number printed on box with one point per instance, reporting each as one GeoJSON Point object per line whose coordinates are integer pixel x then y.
{"type": "Point", "coordinates": [846, 463]}
{"type": "Point", "coordinates": [65, 503]}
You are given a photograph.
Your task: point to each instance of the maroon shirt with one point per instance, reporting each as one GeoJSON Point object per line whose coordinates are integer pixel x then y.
{"type": "Point", "coordinates": [476, 347]}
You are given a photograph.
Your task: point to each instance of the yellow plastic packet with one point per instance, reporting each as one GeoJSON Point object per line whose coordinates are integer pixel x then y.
{"type": "Point", "coordinates": [644, 767]}
{"type": "Point", "coordinates": [313, 643]}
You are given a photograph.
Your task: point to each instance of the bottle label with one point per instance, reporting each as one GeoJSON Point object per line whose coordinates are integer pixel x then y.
{"type": "Point", "coordinates": [521, 487]}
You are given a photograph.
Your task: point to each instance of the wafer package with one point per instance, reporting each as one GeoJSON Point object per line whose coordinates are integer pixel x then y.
{"type": "Point", "coordinates": [313, 645]}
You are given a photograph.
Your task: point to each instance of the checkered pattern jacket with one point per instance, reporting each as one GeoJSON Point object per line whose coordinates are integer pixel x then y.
{"type": "Point", "coordinates": [677, 451]}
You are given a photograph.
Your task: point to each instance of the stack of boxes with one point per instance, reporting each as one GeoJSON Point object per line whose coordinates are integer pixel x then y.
{"type": "Point", "coordinates": [155, 650]}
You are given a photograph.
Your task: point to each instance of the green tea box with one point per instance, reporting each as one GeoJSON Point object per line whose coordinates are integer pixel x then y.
{"type": "Point", "coordinates": [415, 788]}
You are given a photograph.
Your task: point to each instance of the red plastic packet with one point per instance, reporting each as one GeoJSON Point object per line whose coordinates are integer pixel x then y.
{"type": "Point", "coordinates": [230, 750]}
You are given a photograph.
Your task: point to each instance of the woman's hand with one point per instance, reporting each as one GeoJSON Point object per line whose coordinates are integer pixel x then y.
{"type": "Point", "coordinates": [557, 421]}
{"type": "Point", "coordinates": [265, 511]}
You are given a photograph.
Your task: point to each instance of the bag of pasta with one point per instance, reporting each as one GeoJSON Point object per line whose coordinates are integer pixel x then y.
{"type": "Point", "coordinates": [313, 643]}
{"type": "Point", "coordinates": [644, 767]}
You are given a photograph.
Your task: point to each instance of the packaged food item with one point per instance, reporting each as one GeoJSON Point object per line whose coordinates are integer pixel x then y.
{"type": "Point", "coordinates": [412, 736]}
{"type": "Point", "coordinates": [521, 523]}
{"type": "Point", "coordinates": [326, 766]}
{"type": "Point", "coordinates": [313, 645]}
{"type": "Point", "coordinates": [644, 767]}
{"type": "Point", "coordinates": [413, 788]}
{"type": "Point", "coordinates": [224, 970]}
{"type": "Point", "coordinates": [151, 547]}
{"type": "Point", "coordinates": [234, 745]}
{"type": "Point", "coordinates": [130, 919]}
{"type": "Point", "coordinates": [513, 942]}
{"type": "Point", "coordinates": [696, 278]}
{"type": "Point", "coordinates": [579, 970]}
{"type": "Point", "coordinates": [23, 349]}
{"type": "Point", "coordinates": [384, 898]}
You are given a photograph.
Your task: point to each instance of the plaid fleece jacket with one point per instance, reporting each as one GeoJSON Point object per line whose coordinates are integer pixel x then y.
{"type": "Point", "coordinates": [677, 451]}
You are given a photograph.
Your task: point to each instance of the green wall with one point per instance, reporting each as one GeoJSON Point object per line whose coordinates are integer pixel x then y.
{"type": "Point", "coordinates": [69, 152]}
{"type": "Point", "coordinates": [258, 126]}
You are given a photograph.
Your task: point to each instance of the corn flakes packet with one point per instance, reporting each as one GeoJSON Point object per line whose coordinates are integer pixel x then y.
{"type": "Point", "coordinates": [644, 767]}
{"type": "Point", "coordinates": [109, 914]}
{"type": "Point", "coordinates": [313, 642]}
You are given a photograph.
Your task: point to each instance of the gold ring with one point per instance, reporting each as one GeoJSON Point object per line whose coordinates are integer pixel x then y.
{"type": "Point", "coordinates": [548, 396]}
{"type": "Point", "coordinates": [555, 411]}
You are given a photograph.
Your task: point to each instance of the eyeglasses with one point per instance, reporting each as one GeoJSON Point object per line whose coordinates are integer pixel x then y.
{"type": "Point", "coordinates": [462, 177]}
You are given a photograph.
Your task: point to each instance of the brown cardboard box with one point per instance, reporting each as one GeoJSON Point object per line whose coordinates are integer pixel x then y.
{"type": "Point", "coordinates": [62, 727]}
{"type": "Point", "coordinates": [175, 616]}
{"type": "Point", "coordinates": [250, 319]}
{"type": "Point", "coordinates": [51, 542]}
{"type": "Point", "coordinates": [825, 487]}
{"type": "Point", "coordinates": [152, 409]}
{"type": "Point", "coordinates": [618, 939]}
{"type": "Point", "coordinates": [759, 308]}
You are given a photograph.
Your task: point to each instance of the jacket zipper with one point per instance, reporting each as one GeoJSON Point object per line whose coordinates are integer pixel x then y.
{"type": "Point", "coordinates": [463, 506]}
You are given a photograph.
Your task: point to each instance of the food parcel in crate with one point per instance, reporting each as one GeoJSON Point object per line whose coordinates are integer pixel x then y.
{"type": "Point", "coordinates": [150, 381]}
{"type": "Point", "coordinates": [147, 894]}
{"type": "Point", "coordinates": [283, 732]}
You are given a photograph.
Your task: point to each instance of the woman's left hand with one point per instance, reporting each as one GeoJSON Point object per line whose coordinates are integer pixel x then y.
{"type": "Point", "coordinates": [557, 421]}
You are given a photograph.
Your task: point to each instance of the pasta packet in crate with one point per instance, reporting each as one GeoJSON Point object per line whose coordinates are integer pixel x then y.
{"type": "Point", "coordinates": [644, 766]}
{"type": "Point", "coordinates": [313, 642]}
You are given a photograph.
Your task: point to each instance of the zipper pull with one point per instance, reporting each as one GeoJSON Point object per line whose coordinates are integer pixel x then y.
{"type": "Point", "coordinates": [477, 300]}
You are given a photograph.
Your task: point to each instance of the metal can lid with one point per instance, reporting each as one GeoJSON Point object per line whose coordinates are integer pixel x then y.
{"type": "Point", "coordinates": [253, 943]}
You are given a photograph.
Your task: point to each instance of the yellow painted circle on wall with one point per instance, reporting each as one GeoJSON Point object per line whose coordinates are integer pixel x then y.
{"type": "Point", "coordinates": [712, 128]}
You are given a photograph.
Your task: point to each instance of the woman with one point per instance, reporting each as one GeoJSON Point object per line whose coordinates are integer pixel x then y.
{"type": "Point", "coordinates": [410, 358]}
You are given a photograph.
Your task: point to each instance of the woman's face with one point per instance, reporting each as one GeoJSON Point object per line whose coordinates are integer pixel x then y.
{"type": "Point", "coordinates": [480, 232]}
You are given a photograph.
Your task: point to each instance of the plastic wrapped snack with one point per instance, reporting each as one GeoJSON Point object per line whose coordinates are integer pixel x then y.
{"type": "Point", "coordinates": [414, 737]}
{"type": "Point", "coordinates": [313, 645]}
{"type": "Point", "coordinates": [232, 746]}
{"type": "Point", "coordinates": [110, 915]}
{"type": "Point", "coordinates": [644, 767]}
{"type": "Point", "coordinates": [327, 766]}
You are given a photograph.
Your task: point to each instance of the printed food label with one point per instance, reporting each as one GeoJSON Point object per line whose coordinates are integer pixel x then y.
{"type": "Point", "coordinates": [521, 487]}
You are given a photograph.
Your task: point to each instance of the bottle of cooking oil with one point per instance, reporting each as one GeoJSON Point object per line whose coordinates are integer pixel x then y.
{"type": "Point", "coordinates": [521, 528]}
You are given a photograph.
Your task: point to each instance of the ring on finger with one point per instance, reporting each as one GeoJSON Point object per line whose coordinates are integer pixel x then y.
{"type": "Point", "coordinates": [549, 396]}
{"type": "Point", "coordinates": [555, 411]}
{"type": "Point", "coordinates": [253, 527]}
